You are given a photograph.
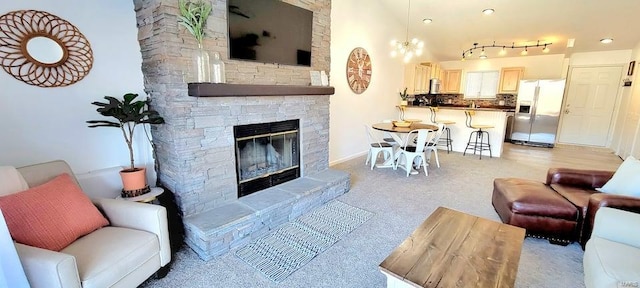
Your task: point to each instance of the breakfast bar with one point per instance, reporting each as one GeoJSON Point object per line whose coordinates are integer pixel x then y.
{"type": "Point", "coordinates": [459, 131]}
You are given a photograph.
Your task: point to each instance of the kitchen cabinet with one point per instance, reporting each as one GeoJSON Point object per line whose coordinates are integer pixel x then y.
{"type": "Point", "coordinates": [435, 71]}
{"type": "Point", "coordinates": [451, 81]}
{"type": "Point", "coordinates": [510, 78]}
{"type": "Point", "coordinates": [417, 79]}
{"type": "Point", "coordinates": [481, 84]}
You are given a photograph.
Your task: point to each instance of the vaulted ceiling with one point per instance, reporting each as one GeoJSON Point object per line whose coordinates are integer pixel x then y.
{"type": "Point", "coordinates": [458, 24]}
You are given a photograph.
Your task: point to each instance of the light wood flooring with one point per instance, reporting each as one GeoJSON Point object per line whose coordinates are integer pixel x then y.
{"type": "Point", "coordinates": [563, 156]}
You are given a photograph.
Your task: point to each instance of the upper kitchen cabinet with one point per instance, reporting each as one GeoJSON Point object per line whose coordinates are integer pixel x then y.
{"type": "Point", "coordinates": [417, 79]}
{"type": "Point", "coordinates": [481, 84]}
{"type": "Point", "coordinates": [451, 81]}
{"type": "Point", "coordinates": [510, 79]}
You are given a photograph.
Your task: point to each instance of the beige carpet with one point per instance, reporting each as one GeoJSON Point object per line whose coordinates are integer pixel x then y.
{"type": "Point", "coordinates": [400, 204]}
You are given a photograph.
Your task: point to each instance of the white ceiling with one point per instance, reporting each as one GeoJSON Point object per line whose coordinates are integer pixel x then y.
{"type": "Point", "coordinates": [457, 24]}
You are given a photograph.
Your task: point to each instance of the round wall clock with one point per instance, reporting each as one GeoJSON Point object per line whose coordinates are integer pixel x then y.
{"type": "Point", "coordinates": [359, 70]}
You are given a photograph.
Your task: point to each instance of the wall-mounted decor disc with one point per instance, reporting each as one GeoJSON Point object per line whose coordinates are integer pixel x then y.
{"type": "Point", "coordinates": [359, 70]}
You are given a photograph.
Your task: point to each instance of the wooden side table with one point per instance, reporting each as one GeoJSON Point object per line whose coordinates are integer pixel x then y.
{"type": "Point", "coordinates": [146, 197]}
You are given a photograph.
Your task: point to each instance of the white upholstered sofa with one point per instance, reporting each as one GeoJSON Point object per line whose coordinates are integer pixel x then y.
{"type": "Point", "coordinates": [130, 249]}
{"type": "Point", "coordinates": [612, 254]}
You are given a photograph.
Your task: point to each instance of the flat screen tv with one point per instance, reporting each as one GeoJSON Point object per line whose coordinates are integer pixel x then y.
{"type": "Point", "coordinates": [269, 31]}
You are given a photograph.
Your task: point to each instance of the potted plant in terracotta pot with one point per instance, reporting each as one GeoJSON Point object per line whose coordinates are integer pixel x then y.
{"type": "Point", "coordinates": [128, 114]}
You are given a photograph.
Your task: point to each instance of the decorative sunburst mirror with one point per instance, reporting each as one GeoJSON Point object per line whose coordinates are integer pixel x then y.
{"type": "Point", "coordinates": [42, 49]}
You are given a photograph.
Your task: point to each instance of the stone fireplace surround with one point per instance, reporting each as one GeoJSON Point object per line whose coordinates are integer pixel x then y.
{"type": "Point", "coordinates": [216, 221]}
{"type": "Point", "coordinates": [195, 148]}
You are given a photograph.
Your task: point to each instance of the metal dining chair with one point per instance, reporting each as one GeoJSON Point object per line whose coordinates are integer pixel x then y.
{"type": "Point", "coordinates": [432, 147]}
{"type": "Point", "coordinates": [386, 136]}
{"type": "Point", "coordinates": [415, 154]}
{"type": "Point", "coordinates": [375, 147]}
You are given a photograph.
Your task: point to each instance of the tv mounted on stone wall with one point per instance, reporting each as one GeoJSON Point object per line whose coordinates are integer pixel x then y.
{"type": "Point", "coordinates": [269, 31]}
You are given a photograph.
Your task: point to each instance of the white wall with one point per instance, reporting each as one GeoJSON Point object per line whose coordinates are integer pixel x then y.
{"type": "Point", "coordinates": [42, 124]}
{"type": "Point", "coordinates": [601, 58]}
{"type": "Point", "coordinates": [351, 27]}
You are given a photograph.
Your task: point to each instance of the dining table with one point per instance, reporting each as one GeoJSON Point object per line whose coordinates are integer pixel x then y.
{"type": "Point", "coordinates": [396, 132]}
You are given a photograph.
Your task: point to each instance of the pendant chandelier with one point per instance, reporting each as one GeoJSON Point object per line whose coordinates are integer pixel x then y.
{"type": "Point", "coordinates": [407, 49]}
{"type": "Point", "coordinates": [469, 52]}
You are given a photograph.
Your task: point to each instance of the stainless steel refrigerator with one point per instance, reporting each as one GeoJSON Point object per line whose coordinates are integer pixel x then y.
{"type": "Point", "coordinates": [537, 112]}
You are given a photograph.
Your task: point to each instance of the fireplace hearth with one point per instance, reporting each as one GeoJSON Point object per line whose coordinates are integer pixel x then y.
{"type": "Point", "coordinates": [267, 154]}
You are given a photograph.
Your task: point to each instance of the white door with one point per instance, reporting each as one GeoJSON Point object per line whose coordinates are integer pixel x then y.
{"type": "Point", "coordinates": [588, 111]}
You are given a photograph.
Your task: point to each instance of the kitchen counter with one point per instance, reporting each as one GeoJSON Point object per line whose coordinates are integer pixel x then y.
{"type": "Point", "coordinates": [464, 107]}
{"type": "Point", "coordinates": [496, 116]}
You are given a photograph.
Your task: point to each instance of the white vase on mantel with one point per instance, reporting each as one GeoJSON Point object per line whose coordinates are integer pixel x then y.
{"type": "Point", "coordinates": [403, 103]}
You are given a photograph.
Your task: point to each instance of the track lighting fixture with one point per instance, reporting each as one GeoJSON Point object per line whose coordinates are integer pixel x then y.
{"type": "Point", "coordinates": [503, 48]}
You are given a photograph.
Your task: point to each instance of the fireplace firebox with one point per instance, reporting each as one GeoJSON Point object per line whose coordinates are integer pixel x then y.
{"type": "Point", "coordinates": [267, 154]}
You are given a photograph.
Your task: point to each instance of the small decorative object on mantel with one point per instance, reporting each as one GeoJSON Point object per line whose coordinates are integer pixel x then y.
{"type": "Point", "coordinates": [324, 78]}
{"type": "Point", "coordinates": [218, 69]}
{"type": "Point", "coordinates": [193, 16]}
{"type": "Point", "coordinates": [319, 78]}
{"type": "Point", "coordinates": [404, 96]}
{"type": "Point", "coordinates": [359, 70]}
{"type": "Point", "coordinates": [42, 49]}
{"type": "Point", "coordinates": [128, 114]}
{"type": "Point", "coordinates": [315, 78]}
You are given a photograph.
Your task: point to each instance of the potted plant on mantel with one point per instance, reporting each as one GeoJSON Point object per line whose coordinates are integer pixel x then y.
{"type": "Point", "coordinates": [193, 16]}
{"type": "Point", "coordinates": [129, 114]}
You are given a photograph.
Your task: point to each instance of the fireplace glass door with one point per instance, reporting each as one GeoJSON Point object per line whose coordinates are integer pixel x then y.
{"type": "Point", "coordinates": [267, 158]}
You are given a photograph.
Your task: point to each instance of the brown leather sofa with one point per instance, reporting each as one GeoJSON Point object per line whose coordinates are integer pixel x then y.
{"type": "Point", "coordinates": [533, 206]}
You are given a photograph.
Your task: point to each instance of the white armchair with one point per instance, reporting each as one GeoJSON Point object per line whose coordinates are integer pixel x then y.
{"type": "Point", "coordinates": [133, 247]}
{"type": "Point", "coordinates": [612, 254]}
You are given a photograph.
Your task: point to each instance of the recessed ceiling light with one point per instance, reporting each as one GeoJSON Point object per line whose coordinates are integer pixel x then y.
{"type": "Point", "coordinates": [606, 40]}
{"type": "Point", "coordinates": [427, 20]}
{"type": "Point", "coordinates": [488, 11]}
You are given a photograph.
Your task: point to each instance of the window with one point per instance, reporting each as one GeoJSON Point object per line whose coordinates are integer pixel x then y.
{"type": "Point", "coordinates": [481, 84]}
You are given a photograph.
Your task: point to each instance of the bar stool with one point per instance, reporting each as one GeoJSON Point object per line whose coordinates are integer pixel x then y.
{"type": "Point", "coordinates": [446, 136]}
{"type": "Point", "coordinates": [479, 144]}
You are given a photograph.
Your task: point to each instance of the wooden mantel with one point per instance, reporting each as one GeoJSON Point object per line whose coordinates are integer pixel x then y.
{"type": "Point", "coordinates": [226, 90]}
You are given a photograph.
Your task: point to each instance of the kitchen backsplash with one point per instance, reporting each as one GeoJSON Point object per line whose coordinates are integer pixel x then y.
{"type": "Point", "coordinates": [458, 99]}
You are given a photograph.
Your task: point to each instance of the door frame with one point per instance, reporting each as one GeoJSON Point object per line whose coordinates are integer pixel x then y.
{"type": "Point", "coordinates": [616, 107]}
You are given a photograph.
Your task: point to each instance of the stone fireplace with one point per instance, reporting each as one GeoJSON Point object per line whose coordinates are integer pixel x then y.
{"type": "Point", "coordinates": [293, 120]}
{"type": "Point", "coordinates": [196, 149]}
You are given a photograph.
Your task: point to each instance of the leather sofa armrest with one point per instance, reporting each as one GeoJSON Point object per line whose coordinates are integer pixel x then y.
{"type": "Point", "coordinates": [142, 216]}
{"type": "Point", "coordinates": [598, 200]}
{"type": "Point", "coordinates": [46, 268]}
{"type": "Point", "coordinates": [617, 225]}
{"type": "Point", "coordinates": [578, 177]}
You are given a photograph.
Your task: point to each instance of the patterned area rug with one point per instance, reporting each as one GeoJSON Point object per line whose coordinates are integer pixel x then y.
{"type": "Point", "coordinates": [291, 246]}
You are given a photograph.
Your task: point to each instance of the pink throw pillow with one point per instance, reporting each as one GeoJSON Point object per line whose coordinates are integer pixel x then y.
{"type": "Point", "coordinates": [52, 215]}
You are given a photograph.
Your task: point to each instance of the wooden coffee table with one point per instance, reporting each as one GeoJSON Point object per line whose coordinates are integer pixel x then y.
{"type": "Point", "coordinates": [454, 249]}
